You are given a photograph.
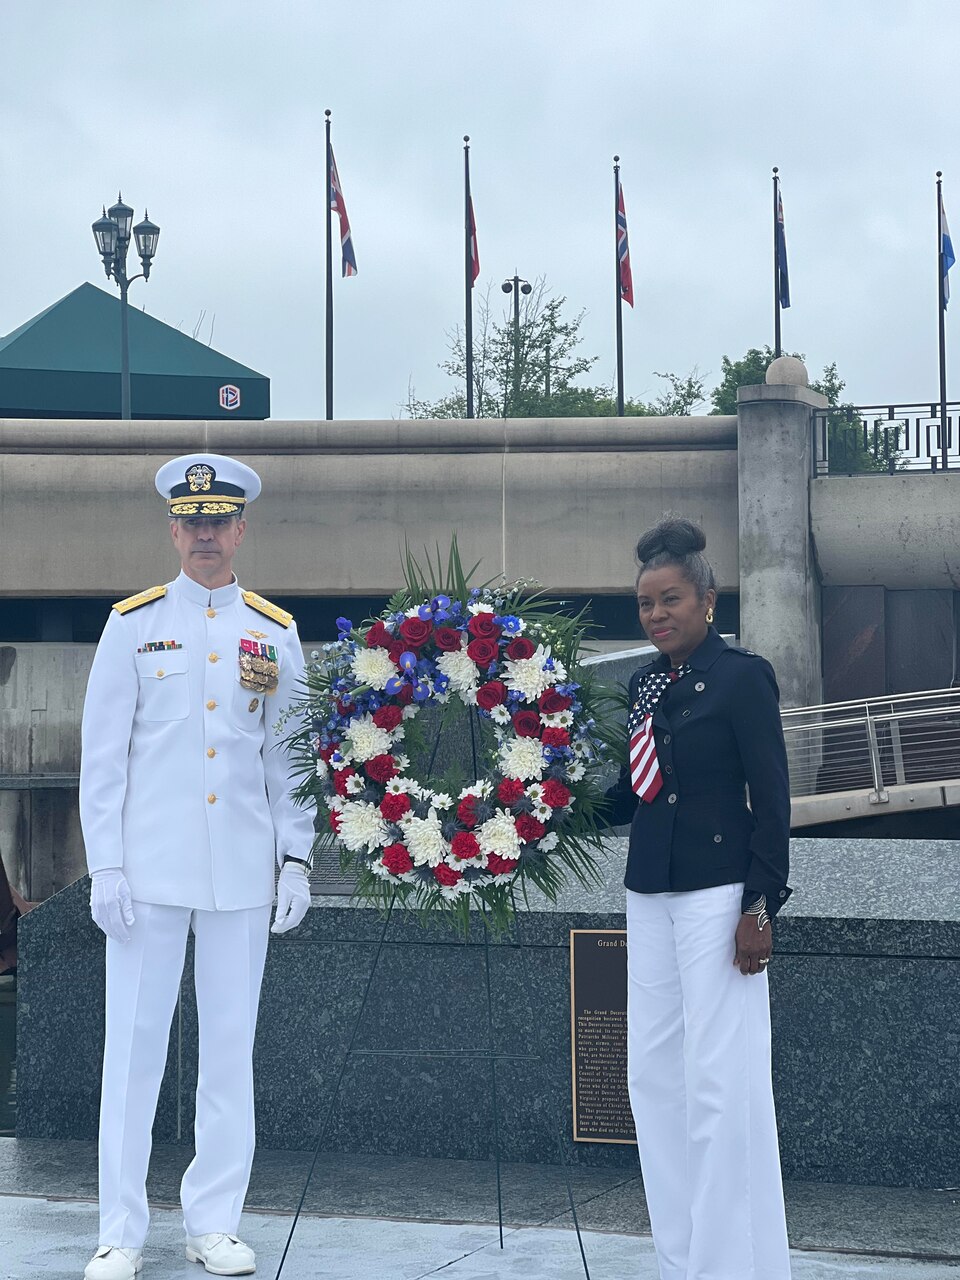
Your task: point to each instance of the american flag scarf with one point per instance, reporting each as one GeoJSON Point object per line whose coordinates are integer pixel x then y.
{"type": "Point", "coordinates": [645, 776]}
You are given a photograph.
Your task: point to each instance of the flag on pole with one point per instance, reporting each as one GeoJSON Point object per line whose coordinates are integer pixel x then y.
{"type": "Point", "coordinates": [474, 251]}
{"type": "Point", "coordinates": [946, 250]}
{"type": "Point", "coordinates": [348, 258]}
{"type": "Point", "coordinates": [623, 249]}
{"type": "Point", "coordinates": [783, 275]}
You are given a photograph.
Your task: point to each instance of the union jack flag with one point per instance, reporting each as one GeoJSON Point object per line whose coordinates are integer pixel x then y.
{"type": "Point", "coordinates": [623, 250]}
{"type": "Point", "coordinates": [474, 251]}
{"type": "Point", "coordinates": [348, 258]}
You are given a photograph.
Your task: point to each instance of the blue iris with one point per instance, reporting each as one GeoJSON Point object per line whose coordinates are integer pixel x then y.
{"type": "Point", "coordinates": [344, 627]}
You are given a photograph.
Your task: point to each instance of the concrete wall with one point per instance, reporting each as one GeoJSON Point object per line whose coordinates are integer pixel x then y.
{"type": "Point", "coordinates": [561, 501]}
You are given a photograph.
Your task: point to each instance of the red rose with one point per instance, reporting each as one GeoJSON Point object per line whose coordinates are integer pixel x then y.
{"type": "Point", "coordinates": [520, 648]}
{"type": "Point", "coordinates": [396, 859]}
{"type": "Point", "coordinates": [394, 805]}
{"type": "Point", "coordinates": [340, 777]}
{"type": "Point", "coordinates": [381, 768]}
{"type": "Point", "coordinates": [498, 866]}
{"type": "Point", "coordinates": [466, 811]}
{"type": "Point", "coordinates": [405, 695]}
{"type": "Point", "coordinates": [528, 827]}
{"type": "Point", "coordinates": [550, 702]}
{"type": "Point", "coordinates": [326, 752]}
{"type": "Point", "coordinates": [387, 717]}
{"type": "Point", "coordinates": [415, 631]}
{"type": "Point", "coordinates": [335, 821]}
{"type": "Point", "coordinates": [447, 638]}
{"type": "Point", "coordinates": [447, 875]}
{"type": "Point", "coordinates": [396, 648]}
{"type": "Point", "coordinates": [378, 637]}
{"type": "Point", "coordinates": [483, 626]}
{"type": "Point", "coordinates": [492, 694]}
{"type": "Point", "coordinates": [509, 791]}
{"type": "Point", "coordinates": [555, 794]}
{"type": "Point", "coordinates": [555, 738]}
{"type": "Point", "coordinates": [464, 845]}
{"type": "Point", "coordinates": [526, 724]}
{"type": "Point", "coordinates": [483, 651]}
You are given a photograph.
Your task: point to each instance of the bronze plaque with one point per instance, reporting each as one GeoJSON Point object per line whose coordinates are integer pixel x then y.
{"type": "Point", "coordinates": [598, 1029]}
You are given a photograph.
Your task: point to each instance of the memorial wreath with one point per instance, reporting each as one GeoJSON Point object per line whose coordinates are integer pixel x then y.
{"type": "Point", "coordinates": [499, 668]}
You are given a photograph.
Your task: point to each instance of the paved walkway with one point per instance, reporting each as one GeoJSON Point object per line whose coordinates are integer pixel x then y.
{"type": "Point", "coordinates": [48, 1238]}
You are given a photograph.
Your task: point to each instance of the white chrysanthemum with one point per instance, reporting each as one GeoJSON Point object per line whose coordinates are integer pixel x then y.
{"type": "Point", "coordinates": [528, 676]}
{"type": "Point", "coordinates": [576, 772]}
{"type": "Point", "coordinates": [549, 842]}
{"type": "Point", "coordinates": [373, 667]}
{"type": "Point", "coordinates": [362, 827]}
{"type": "Point", "coordinates": [424, 840]}
{"type": "Point", "coordinates": [558, 719]}
{"type": "Point", "coordinates": [499, 835]}
{"type": "Point", "coordinates": [322, 769]}
{"type": "Point", "coordinates": [500, 714]}
{"type": "Point", "coordinates": [334, 803]}
{"type": "Point", "coordinates": [366, 740]}
{"type": "Point", "coordinates": [410, 711]}
{"type": "Point", "coordinates": [450, 892]}
{"type": "Point", "coordinates": [355, 784]}
{"type": "Point", "coordinates": [462, 673]}
{"type": "Point", "coordinates": [522, 758]}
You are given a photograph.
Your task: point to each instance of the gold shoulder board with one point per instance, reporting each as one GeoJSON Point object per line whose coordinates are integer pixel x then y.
{"type": "Point", "coordinates": [142, 597]}
{"type": "Point", "coordinates": [267, 608]}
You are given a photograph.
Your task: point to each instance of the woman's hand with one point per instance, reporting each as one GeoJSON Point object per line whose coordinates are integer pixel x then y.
{"type": "Point", "coordinates": [753, 946]}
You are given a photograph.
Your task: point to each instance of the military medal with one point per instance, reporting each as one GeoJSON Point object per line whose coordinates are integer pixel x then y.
{"type": "Point", "coordinates": [259, 670]}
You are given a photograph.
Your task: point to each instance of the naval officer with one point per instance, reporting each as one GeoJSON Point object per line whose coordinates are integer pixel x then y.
{"type": "Point", "coordinates": [185, 803]}
{"type": "Point", "coordinates": [706, 874]}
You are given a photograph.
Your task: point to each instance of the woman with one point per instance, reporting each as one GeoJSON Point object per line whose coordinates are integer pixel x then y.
{"type": "Point", "coordinates": [706, 872]}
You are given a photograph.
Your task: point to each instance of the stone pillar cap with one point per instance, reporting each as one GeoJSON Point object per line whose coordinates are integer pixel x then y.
{"type": "Point", "coordinates": [787, 371]}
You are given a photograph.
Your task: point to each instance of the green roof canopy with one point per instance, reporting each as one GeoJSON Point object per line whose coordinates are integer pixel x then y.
{"type": "Point", "coordinates": [65, 363]}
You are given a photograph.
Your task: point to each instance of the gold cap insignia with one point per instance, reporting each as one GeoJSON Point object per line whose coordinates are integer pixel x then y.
{"type": "Point", "coordinates": [200, 477]}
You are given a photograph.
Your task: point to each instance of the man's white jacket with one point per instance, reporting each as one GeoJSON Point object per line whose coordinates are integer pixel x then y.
{"type": "Point", "coordinates": [184, 782]}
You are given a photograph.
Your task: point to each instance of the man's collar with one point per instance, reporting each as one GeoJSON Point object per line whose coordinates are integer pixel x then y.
{"type": "Point", "coordinates": [703, 657]}
{"type": "Point", "coordinates": [200, 595]}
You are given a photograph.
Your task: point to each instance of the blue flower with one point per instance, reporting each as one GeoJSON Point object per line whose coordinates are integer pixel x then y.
{"type": "Point", "coordinates": [425, 613]}
{"type": "Point", "coordinates": [421, 691]}
{"type": "Point", "coordinates": [510, 624]}
{"type": "Point", "coordinates": [441, 682]}
{"type": "Point", "coordinates": [344, 627]}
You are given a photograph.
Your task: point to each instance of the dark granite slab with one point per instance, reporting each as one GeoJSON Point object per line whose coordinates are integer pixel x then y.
{"type": "Point", "coordinates": [854, 653]}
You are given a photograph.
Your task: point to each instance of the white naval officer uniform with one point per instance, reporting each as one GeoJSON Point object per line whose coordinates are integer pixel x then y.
{"type": "Point", "coordinates": [184, 786]}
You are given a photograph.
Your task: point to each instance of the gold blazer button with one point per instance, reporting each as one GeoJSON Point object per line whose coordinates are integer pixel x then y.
{"type": "Point", "coordinates": [211, 705]}
{"type": "Point", "coordinates": [211, 752]}
{"type": "Point", "coordinates": [211, 613]}
{"type": "Point", "coordinates": [214, 657]}
{"type": "Point", "coordinates": [211, 798]}
{"type": "Point", "coordinates": [161, 673]}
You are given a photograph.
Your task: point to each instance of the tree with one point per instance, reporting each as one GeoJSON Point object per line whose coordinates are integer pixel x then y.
{"type": "Point", "coordinates": [535, 373]}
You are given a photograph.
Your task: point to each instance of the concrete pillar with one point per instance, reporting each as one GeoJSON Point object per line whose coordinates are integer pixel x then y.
{"type": "Point", "coordinates": [779, 581]}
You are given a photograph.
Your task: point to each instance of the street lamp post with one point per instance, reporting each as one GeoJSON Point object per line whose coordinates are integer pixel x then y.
{"type": "Point", "coordinates": [516, 286]}
{"type": "Point", "coordinates": [112, 235]}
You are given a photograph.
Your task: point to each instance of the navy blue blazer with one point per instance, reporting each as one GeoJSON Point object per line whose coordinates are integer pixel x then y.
{"type": "Point", "coordinates": [717, 732]}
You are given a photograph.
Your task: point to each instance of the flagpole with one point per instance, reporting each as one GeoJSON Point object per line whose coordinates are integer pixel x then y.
{"type": "Point", "coordinates": [941, 328]}
{"type": "Point", "coordinates": [468, 273]}
{"type": "Point", "coordinates": [329, 284]}
{"type": "Point", "coordinates": [776, 263]}
{"type": "Point", "coordinates": [619, 282]}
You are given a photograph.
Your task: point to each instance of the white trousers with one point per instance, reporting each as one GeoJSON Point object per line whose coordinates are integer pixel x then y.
{"type": "Point", "coordinates": [143, 981]}
{"type": "Point", "coordinates": [698, 1062]}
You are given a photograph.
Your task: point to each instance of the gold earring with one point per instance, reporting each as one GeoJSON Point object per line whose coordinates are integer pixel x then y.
{"type": "Point", "coordinates": [710, 615]}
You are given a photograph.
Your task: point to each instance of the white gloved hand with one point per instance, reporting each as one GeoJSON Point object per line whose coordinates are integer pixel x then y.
{"type": "Point", "coordinates": [293, 897]}
{"type": "Point", "coordinates": [110, 903]}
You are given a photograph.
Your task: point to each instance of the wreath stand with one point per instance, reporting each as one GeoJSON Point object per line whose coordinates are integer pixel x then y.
{"type": "Point", "coordinates": [488, 1055]}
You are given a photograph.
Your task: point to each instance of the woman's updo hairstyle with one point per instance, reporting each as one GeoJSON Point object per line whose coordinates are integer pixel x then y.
{"type": "Point", "coordinates": [674, 540]}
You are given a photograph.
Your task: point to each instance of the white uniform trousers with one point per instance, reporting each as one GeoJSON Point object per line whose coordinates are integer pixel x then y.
{"type": "Point", "coordinates": [698, 1062]}
{"type": "Point", "coordinates": [143, 980]}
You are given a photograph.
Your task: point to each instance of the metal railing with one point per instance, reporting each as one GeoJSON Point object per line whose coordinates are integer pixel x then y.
{"type": "Point", "coordinates": [872, 438]}
{"type": "Point", "coordinates": [902, 751]}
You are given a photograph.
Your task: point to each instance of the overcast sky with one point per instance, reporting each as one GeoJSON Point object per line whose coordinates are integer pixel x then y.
{"type": "Point", "coordinates": [210, 113]}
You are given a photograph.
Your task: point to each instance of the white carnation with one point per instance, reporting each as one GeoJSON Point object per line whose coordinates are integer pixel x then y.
{"type": "Point", "coordinates": [362, 827]}
{"type": "Point", "coordinates": [549, 842]}
{"type": "Point", "coordinates": [366, 740]}
{"type": "Point", "coordinates": [462, 673]}
{"type": "Point", "coordinates": [499, 835]}
{"type": "Point", "coordinates": [373, 667]}
{"type": "Point", "coordinates": [522, 758]}
{"type": "Point", "coordinates": [424, 840]}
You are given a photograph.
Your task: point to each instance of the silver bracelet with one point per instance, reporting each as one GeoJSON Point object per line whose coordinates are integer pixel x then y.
{"type": "Point", "coordinates": [759, 909]}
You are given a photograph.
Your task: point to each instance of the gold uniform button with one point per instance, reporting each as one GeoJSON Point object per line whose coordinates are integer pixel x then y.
{"type": "Point", "coordinates": [211, 613]}
{"type": "Point", "coordinates": [210, 752]}
{"type": "Point", "coordinates": [211, 705]}
{"type": "Point", "coordinates": [214, 657]}
{"type": "Point", "coordinates": [254, 703]}
{"type": "Point", "coordinates": [161, 673]}
{"type": "Point", "coordinates": [211, 798]}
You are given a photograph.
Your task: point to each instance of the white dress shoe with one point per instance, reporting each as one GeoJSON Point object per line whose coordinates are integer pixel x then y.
{"type": "Point", "coordinates": [113, 1263]}
{"type": "Point", "coordinates": [221, 1255]}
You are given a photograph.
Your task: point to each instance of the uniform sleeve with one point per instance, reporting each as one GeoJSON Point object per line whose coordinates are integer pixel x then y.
{"type": "Point", "coordinates": [621, 796]}
{"type": "Point", "coordinates": [759, 734]}
{"type": "Point", "coordinates": [292, 822]}
{"type": "Point", "coordinates": [108, 711]}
